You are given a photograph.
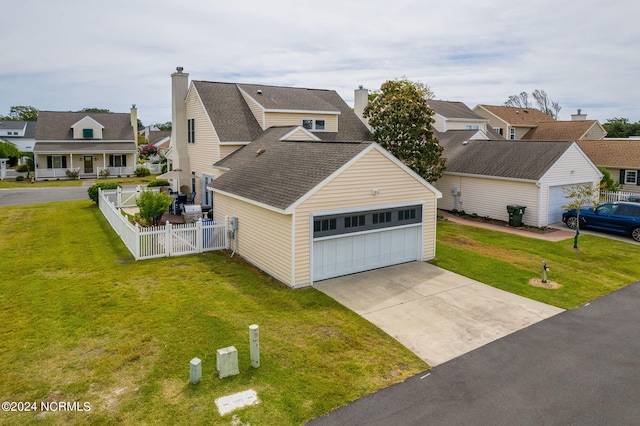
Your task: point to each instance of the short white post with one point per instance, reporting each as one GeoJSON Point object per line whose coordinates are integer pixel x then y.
{"type": "Point", "coordinates": [195, 373]}
{"type": "Point", "coordinates": [254, 345]}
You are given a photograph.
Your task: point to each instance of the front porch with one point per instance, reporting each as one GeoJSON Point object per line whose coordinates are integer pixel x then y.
{"type": "Point", "coordinates": [86, 165]}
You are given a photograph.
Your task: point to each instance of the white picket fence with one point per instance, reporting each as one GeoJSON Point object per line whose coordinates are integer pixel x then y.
{"type": "Point", "coordinates": [164, 240]}
{"type": "Point", "coordinates": [606, 197]}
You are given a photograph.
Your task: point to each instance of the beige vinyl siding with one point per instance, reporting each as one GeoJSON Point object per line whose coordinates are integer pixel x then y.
{"type": "Point", "coordinates": [263, 236]}
{"type": "Point", "coordinates": [595, 132]}
{"type": "Point", "coordinates": [256, 109]}
{"type": "Point", "coordinates": [493, 120]}
{"type": "Point", "coordinates": [353, 189]}
{"type": "Point", "coordinates": [489, 197]}
{"type": "Point", "coordinates": [228, 149]}
{"type": "Point", "coordinates": [520, 132]}
{"type": "Point", "coordinates": [205, 151]}
{"type": "Point", "coordinates": [295, 119]}
{"type": "Point", "coordinates": [462, 125]}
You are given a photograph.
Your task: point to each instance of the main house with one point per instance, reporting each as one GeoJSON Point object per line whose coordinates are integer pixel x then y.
{"type": "Point", "coordinates": [85, 143]}
{"type": "Point", "coordinates": [307, 194]}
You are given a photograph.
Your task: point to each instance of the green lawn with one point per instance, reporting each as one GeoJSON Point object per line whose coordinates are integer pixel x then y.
{"type": "Point", "coordinates": [81, 321]}
{"type": "Point", "coordinates": [506, 261]}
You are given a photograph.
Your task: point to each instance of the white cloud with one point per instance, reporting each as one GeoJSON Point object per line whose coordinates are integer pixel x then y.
{"type": "Point", "coordinates": [71, 54]}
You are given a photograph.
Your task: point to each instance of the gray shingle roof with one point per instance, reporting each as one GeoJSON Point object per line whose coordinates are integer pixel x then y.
{"type": "Point", "coordinates": [450, 109]}
{"type": "Point", "coordinates": [54, 125]}
{"type": "Point", "coordinates": [229, 113]}
{"type": "Point", "coordinates": [288, 98]}
{"type": "Point", "coordinates": [285, 170]}
{"type": "Point", "coordinates": [83, 146]}
{"type": "Point", "coordinates": [514, 159]}
{"type": "Point", "coordinates": [234, 122]}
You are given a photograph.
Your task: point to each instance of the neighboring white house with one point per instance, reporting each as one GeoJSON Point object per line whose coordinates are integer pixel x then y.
{"type": "Point", "coordinates": [20, 133]}
{"type": "Point", "coordinates": [85, 142]}
{"type": "Point", "coordinates": [484, 176]}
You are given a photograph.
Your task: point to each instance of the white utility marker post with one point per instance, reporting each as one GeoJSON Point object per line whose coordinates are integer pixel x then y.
{"type": "Point", "coordinates": [254, 344]}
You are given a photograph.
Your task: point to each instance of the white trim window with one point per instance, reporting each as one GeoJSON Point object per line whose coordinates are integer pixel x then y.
{"type": "Point", "coordinates": [499, 130]}
{"type": "Point", "coordinates": [512, 133]}
{"type": "Point", "coordinates": [630, 177]}
{"type": "Point", "coordinates": [315, 125]}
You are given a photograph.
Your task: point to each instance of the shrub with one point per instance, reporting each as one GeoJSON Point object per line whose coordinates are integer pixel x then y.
{"type": "Point", "coordinates": [105, 173]}
{"type": "Point", "coordinates": [72, 174]}
{"type": "Point", "coordinates": [159, 183]}
{"type": "Point", "coordinates": [23, 168]}
{"type": "Point", "coordinates": [93, 190]}
{"type": "Point", "coordinates": [152, 205]}
{"type": "Point", "coordinates": [142, 172]}
{"type": "Point", "coordinates": [19, 178]}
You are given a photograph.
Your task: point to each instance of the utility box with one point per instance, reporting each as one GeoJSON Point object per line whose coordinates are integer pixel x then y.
{"type": "Point", "coordinates": [515, 215]}
{"type": "Point", "coordinates": [227, 362]}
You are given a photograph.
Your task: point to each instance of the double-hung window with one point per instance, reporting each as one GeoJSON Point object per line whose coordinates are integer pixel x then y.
{"type": "Point", "coordinates": [630, 177]}
{"type": "Point", "coordinates": [314, 124]}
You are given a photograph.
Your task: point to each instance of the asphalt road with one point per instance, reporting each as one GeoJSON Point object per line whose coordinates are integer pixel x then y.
{"type": "Point", "coordinates": [19, 196]}
{"type": "Point", "coordinates": [580, 367]}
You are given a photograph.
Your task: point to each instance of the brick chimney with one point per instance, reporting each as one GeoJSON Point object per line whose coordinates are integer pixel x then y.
{"type": "Point", "coordinates": [179, 89]}
{"type": "Point", "coordinates": [360, 101]}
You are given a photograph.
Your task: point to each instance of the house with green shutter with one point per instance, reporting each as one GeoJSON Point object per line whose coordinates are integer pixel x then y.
{"type": "Point", "coordinates": [86, 143]}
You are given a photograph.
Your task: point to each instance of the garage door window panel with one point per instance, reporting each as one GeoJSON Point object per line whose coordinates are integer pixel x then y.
{"type": "Point", "coordinates": [324, 226]}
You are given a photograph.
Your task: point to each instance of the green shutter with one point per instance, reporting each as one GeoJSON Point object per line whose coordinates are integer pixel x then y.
{"type": "Point", "coordinates": [124, 161]}
{"type": "Point", "coordinates": [87, 133]}
{"type": "Point", "coordinates": [49, 162]}
{"type": "Point", "coordinates": [64, 162]}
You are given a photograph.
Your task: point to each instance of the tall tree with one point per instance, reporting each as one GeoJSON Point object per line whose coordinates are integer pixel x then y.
{"type": "Point", "coordinates": [94, 110]}
{"type": "Point", "coordinates": [542, 101]}
{"type": "Point", "coordinates": [621, 128]}
{"type": "Point", "coordinates": [163, 126]}
{"type": "Point", "coordinates": [401, 122]}
{"type": "Point", "coordinates": [21, 113]}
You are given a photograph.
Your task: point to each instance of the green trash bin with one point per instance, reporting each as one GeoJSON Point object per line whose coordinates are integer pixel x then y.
{"type": "Point", "coordinates": [515, 215]}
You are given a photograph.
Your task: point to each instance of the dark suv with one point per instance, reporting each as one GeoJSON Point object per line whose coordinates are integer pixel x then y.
{"type": "Point", "coordinates": [620, 217]}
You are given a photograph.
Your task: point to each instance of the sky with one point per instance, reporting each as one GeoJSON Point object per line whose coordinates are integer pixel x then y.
{"type": "Point", "coordinates": [65, 55]}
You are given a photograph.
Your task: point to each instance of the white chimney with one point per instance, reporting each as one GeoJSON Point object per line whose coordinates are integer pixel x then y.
{"type": "Point", "coordinates": [360, 101]}
{"type": "Point", "coordinates": [579, 116]}
{"type": "Point", "coordinates": [179, 89]}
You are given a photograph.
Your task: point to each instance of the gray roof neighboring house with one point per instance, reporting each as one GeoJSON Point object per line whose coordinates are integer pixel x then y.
{"type": "Point", "coordinates": [278, 173]}
{"type": "Point", "coordinates": [234, 122]}
{"type": "Point", "coordinates": [514, 159]}
{"type": "Point", "coordinates": [28, 126]}
{"type": "Point", "coordinates": [56, 126]}
{"type": "Point", "coordinates": [454, 110]}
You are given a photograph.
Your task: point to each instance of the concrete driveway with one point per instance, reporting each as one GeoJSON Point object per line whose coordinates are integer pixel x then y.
{"type": "Point", "coordinates": [437, 314]}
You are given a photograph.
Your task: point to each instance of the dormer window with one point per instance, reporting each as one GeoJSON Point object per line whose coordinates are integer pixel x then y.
{"type": "Point", "coordinates": [313, 124]}
{"type": "Point", "coordinates": [87, 133]}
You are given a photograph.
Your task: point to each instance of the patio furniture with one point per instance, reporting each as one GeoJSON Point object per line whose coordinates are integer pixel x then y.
{"type": "Point", "coordinates": [192, 198]}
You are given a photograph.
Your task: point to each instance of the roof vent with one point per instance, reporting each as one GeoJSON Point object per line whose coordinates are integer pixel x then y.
{"type": "Point", "coordinates": [259, 152]}
{"type": "Point", "coordinates": [179, 69]}
{"type": "Point", "coordinates": [259, 92]}
{"type": "Point", "coordinates": [465, 142]}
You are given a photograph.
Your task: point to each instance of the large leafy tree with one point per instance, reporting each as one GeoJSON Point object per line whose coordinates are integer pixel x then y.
{"type": "Point", "coordinates": [401, 122]}
{"type": "Point", "coordinates": [621, 128]}
{"type": "Point", "coordinates": [21, 113]}
{"type": "Point", "coordinates": [8, 150]}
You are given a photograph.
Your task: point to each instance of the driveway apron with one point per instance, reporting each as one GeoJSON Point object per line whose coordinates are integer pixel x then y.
{"type": "Point", "coordinates": [437, 314]}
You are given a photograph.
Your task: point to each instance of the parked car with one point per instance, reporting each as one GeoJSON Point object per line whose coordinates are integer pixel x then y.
{"type": "Point", "coordinates": [620, 217]}
{"type": "Point", "coordinates": [634, 198]}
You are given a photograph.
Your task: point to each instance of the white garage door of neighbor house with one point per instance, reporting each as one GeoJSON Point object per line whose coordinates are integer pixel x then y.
{"type": "Point", "coordinates": [340, 252]}
{"type": "Point", "coordinates": [557, 199]}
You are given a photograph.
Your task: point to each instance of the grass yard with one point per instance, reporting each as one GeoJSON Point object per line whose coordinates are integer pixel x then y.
{"type": "Point", "coordinates": [508, 262]}
{"type": "Point", "coordinates": [81, 321]}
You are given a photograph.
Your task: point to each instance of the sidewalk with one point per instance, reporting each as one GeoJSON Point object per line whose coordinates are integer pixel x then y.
{"type": "Point", "coordinates": [555, 236]}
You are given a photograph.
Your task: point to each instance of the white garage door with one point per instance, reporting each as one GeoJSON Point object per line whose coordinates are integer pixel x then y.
{"type": "Point", "coordinates": [344, 255]}
{"type": "Point", "coordinates": [556, 201]}
{"type": "Point", "coordinates": [346, 243]}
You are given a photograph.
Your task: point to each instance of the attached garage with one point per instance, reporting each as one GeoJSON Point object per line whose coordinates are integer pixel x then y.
{"type": "Point", "coordinates": [309, 211]}
{"type": "Point", "coordinates": [362, 244]}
